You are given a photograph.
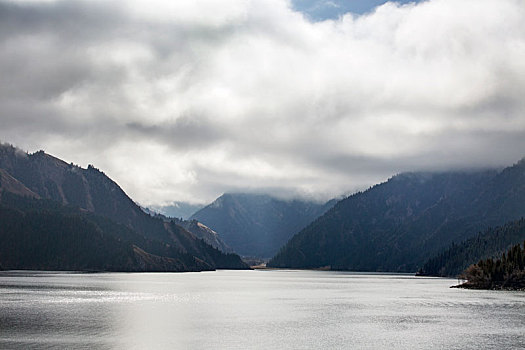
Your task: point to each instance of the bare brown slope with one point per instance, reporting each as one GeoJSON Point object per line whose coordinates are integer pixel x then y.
{"type": "Point", "coordinates": [10, 184]}
{"type": "Point", "coordinates": [91, 190]}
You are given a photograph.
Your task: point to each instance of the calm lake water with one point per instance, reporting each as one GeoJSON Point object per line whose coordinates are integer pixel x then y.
{"type": "Point", "coordinates": [253, 310]}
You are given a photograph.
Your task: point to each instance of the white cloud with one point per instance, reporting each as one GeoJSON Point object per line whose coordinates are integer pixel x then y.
{"type": "Point", "coordinates": [184, 100]}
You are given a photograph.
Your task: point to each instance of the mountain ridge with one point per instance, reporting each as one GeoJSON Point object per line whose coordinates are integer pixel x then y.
{"type": "Point", "coordinates": [257, 225]}
{"type": "Point", "coordinates": [93, 192]}
{"type": "Point", "coordinates": [200, 230]}
{"type": "Point", "coordinates": [490, 243]}
{"type": "Point", "coordinates": [396, 225]}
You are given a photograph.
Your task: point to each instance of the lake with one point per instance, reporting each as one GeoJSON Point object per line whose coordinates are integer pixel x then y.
{"type": "Point", "coordinates": [261, 309]}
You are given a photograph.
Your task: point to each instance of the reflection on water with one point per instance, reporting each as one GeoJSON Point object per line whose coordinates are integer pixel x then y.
{"type": "Point", "coordinates": [253, 309]}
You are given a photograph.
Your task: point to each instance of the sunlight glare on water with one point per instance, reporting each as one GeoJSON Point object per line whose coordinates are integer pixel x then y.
{"type": "Point", "coordinates": [254, 310]}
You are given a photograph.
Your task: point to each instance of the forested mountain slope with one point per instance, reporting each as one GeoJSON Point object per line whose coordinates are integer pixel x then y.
{"type": "Point", "coordinates": [399, 224]}
{"type": "Point", "coordinates": [256, 224]}
{"type": "Point", "coordinates": [40, 175]}
{"type": "Point", "coordinates": [492, 243]}
{"type": "Point", "coordinates": [507, 272]}
{"type": "Point", "coordinates": [197, 228]}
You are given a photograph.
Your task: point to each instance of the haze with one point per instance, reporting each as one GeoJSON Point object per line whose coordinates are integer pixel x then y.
{"type": "Point", "coordinates": [185, 100]}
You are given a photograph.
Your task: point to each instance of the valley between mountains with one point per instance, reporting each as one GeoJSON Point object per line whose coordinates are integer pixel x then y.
{"type": "Point", "coordinates": [59, 216]}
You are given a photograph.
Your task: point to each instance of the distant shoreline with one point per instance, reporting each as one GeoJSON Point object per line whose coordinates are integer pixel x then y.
{"type": "Point", "coordinates": [468, 285]}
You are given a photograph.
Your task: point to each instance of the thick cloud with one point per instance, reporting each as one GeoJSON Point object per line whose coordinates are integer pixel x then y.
{"type": "Point", "coordinates": [184, 100]}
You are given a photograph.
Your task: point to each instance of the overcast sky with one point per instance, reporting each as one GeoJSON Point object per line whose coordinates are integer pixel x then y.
{"type": "Point", "coordinates": [185, 100]}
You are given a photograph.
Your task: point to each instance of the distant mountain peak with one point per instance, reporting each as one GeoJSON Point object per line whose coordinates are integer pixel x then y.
{"type": "Point", "coordinates": [257, 225]}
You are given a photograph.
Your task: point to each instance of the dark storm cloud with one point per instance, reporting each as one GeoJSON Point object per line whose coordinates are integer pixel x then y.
{"type": "Point", "coordinates": [184, 133]}
{"type": "Point", "coordinates": [73, 21]}
{"type": "Point", "coordinates": [186, 100]}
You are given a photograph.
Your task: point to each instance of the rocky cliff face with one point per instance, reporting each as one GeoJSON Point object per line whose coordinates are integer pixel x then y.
{"type": "Point", "coordinates": [205, 233]}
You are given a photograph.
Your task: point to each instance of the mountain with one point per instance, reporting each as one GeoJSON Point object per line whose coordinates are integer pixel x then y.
{"type": "Point", "coordinates": [40, 175]}
{"type": "Point", "coordinates": [491, 243]}
{"type": "Point", "coordinates": [44, 235]}
{"type": "Point", "coordinates": [257, 224]}
{"type": "Point", "coordinates": [205, 233]}
{"type": "Point", "coordinates": [397, 225]}
{"type": "Point", "coordinates": [198, 229]}
{"type": "Point", "coordinates": [11, 185]}
{"type": "Point", "coordinates": [180, 210]}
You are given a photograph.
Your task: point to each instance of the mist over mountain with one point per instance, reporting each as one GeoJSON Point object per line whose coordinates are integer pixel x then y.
{"type": "Point", "coordinates": [397, 225]}
{"type": "Point", "coordinates": [186, 100]}
{"type": "Point", "coordinates": [180, 210]}
{"type": "Point", "coordinates": [257, 224]}
{"type": "Point", "coordinates": [165, 136]}
{"type": "Point", "coordinates": [99, 200]}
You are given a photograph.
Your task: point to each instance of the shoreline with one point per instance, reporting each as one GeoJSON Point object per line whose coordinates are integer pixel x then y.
{"type": "Point", "coordinates": [467, 285]}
